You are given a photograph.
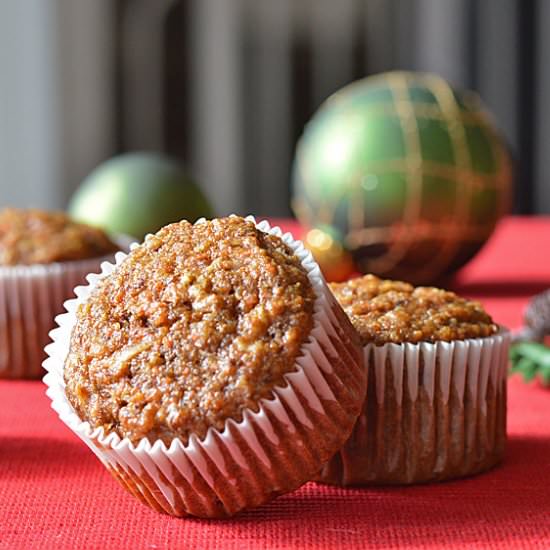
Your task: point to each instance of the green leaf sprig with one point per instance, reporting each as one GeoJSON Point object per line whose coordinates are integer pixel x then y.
{"type": "Point", "coordinates": [531, 360]}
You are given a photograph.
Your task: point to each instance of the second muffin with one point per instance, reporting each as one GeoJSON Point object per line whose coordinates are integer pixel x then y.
{"type": "Point", "coordinates": [436, 397]}
{"type": "Point", "coordinates": [43, 256]}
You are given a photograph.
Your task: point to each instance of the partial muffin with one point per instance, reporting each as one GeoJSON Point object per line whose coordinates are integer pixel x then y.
{"type": "Point", "coordinates": [35, 236]}
{"type": "Point", "coordinates": [435, 406]}
{"type": "Point", "coordinates": [211, 369]}
{"type": "Point", "coordinates": [43, 256]}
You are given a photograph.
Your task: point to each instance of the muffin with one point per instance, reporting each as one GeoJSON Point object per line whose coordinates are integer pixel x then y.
{"type": "Point", "coordinates": [211, 369]}
{"type": "Point", "coordinates": [34, 236]}
{"type": "Point", "coordinates": [43, 256]}
{"type": "Point", "coordinates": [435, 406]}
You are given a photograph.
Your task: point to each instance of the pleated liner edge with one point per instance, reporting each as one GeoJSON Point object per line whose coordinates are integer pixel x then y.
{"type": "Point", "coordinates": [433, 412]}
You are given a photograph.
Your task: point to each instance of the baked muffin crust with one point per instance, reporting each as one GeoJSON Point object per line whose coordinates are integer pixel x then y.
{"type": "Point", "coordinates": [35, 236]}
{"type": "Point", "coordinates": [384, 311]}
{"type": "Point", "coordinates": [197, 324]}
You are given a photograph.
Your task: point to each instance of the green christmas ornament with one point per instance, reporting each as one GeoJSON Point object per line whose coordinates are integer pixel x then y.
{"type": "Point", "coordinates": [138, 193]}
{"type": "Point", "coordinates": [412, 172]}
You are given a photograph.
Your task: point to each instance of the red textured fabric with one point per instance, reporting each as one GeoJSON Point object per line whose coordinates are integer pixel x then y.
{"type": "Point", "coordinates": [55, 494]}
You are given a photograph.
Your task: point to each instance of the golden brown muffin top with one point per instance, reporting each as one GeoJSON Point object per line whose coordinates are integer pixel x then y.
{"type": "Point", "coordinates": [385, 311]}
{"type": "Point", "coordinates": [32, 236]}
{"type": "Point", "coordinates": [195, 325]}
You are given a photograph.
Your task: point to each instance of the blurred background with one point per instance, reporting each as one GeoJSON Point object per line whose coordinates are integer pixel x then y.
{"type": "Point", "coordinates": [227, 85]}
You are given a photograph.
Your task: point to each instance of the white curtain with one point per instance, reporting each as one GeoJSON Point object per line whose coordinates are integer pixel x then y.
{"type": "Point", "coordinates": [56, 104]}
{"type": "Point", "coordinates": [81, 80]}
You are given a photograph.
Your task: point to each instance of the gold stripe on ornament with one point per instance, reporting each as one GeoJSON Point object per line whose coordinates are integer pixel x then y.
{"type": "Point", "coordinates": [434, 169]}
{"type": "Point", "coordinates": [301, 210]}
{"type": "Point", "coordinates": [397, 84]}
{"type": "Point", "coordinates": [428, 230]}
{"type": "Point", "coordinates": [306, 172]}
{"type": "Point", "coordinates": [325, 214]}
{"type": "Point", "coordinates": [451, 111]}
{"type": "Point", "coordinates": [503, 178]}
{"type": "Point", "coordinates": [327, 202]}
{"type": "Point", "coordinates": [432, 111]}
{"type": "Point", "coordinates": [305, 212]}
{"type": "Point", "coordinates": [352, 191]}
{"type": "Point", "coordinates": [356, 212]}
{"type": "Point", "coordinates": [421, 109]}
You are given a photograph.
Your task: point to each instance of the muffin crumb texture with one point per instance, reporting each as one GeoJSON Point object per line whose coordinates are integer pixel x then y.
{"type": "Point", "coordinates": [385, 311]}
{"type": "Point", "coordinates": [194, 326]}
{"type": "Point", "coordinates": [35, 236]}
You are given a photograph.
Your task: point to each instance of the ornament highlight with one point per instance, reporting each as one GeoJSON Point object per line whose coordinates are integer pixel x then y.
{"type": "Point", "coordinates": [335, 262]}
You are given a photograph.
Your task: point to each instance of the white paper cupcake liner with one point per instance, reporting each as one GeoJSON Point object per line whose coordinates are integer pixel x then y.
{"type": "Point", "coordinates": [432, 412]}
{"type": "Point", "coordinates": [30, 298]}
{"type": "Point", "coordinates": [268, 452]}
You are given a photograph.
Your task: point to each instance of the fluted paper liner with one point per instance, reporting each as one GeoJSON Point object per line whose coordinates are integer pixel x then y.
{"type": "Point", "coordinates": [30, 298]}
{"type": "Point", "coordinates": [269, 451]}
{"type": "Point", "coordinates": [433, 411]}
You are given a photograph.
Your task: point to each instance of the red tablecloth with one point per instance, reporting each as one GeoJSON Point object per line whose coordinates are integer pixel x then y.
{"type": "Point", "coordinates": [55, 494]}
